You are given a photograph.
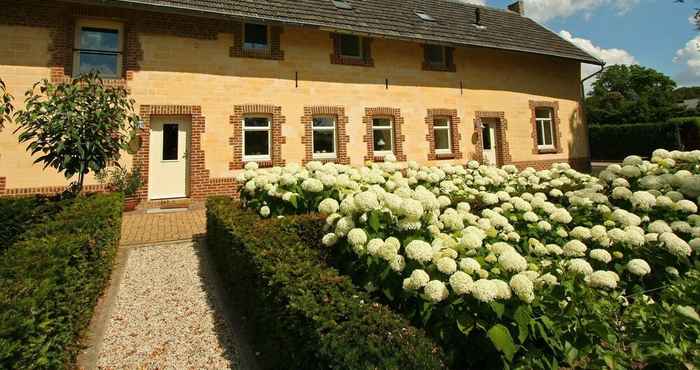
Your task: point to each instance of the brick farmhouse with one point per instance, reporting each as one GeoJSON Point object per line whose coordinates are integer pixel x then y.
{"type": "Point", "coordinates": [219, 83]}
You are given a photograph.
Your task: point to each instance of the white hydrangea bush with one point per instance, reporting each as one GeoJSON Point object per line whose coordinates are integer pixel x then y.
{"type": "Point", "coordinates": [487, 238]}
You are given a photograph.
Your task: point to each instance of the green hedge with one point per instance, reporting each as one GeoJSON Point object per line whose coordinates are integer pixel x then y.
{"type": "Point", "coordinates": [19, 214]}
{"type": "Point", "coordinates": [615, 142]}
{"type": "Point", "coordinates": [51, 279]}
{"type": "Point", "coordinates": [306, 315]}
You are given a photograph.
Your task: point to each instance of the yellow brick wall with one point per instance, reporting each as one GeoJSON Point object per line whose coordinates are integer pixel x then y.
{"type": "Point", "coordinates": [177, 70]}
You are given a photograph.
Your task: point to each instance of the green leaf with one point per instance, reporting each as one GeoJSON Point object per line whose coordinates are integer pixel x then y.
{"type": "Point", "coordinates": [374, 222]}
{"type": "Point", "coordinates": [465, 323]}
{"type": "Point", "coordinates": [501, 339]}
{"type": "Point", "coordinates": [498, 308]}
{"type": "Point", "coordinates": [293, 200]}
{"type": "Point", "coordinates": [523, 318]}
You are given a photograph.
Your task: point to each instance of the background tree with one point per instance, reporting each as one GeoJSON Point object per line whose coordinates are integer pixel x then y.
{"type": "Point", "coordinates": [76, 127]}
{"type": "Point", "coordinates": [630, 94]}
{"type": "Point", "coordinates": [5, 105]}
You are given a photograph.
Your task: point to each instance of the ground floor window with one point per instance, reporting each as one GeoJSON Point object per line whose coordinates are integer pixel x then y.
{"type": "Point", "coordinates": [442, 133]}
{"type": "Point", "coordinates": [256, 138]}
{"type": "Point", "coordinates": [544, 118]}
{"type": "Point", "coordinates": [383, 134]}
{"type": "Point", "coordinates": [324, 137]}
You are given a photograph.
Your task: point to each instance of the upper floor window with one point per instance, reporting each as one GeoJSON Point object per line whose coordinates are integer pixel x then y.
{"type": "Point", "coordinates": [350, 46]}
{"type": "Point", "coordinates": [98, 47]}
{"type": "Point", "coordinates": [324, 137]}
{"type": "Point", "coordinates": [257, 138]}
{"type": "Point", "coordinates": [544, 118]}
{"type": "Point", "coordinates": [435, 55]}
{"type": "Point", "coordinates": [442, 132]}
{"type": "Point", "coordinates": [383, 135]}
{"type": "Point", "coordinates": [256, 37]}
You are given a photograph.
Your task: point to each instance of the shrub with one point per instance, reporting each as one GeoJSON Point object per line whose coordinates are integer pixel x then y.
{"type": "Point", "coordinates": [305, 315]}
{"type": "Point", "coordinates": [19, 214]}
{"type": "Point", "coordinates": [50, 282]}
{"type": "Point", "coordinates": [615, 142]}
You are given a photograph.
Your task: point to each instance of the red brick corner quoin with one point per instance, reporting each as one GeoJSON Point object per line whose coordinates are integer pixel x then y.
{"type": "Point", "coordinates": [201, 184]}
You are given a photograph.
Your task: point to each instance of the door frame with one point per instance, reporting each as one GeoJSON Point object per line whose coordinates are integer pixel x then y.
{"type": "Point", "coordinates": [177, 119]}
{"type": "Point", "coordinates": [501, 133]}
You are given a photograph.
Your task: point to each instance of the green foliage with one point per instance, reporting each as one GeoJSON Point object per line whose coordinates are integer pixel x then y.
{"type": "Point", "coordinates": [50, 282]}
{"type": "Point", "coordinates": [20, 214]}
{"type": "Point", "coordinates": [686, 93]}
{"type": "Point", "coordinates": [121, 180]}
{"type": "Point", "coordinates": [306, 315]}
{"type": "Point", "coordinates": [6, 107]}
{"type": "Point", "coordinates": [612, 142]}
{"type": "Point", "coordinates": [630, 94]}
{"type": "Point", "coordinates": [76, 127]}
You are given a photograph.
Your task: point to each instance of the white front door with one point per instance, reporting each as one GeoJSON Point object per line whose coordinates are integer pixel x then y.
{"type": "Point", "coordinates": [168, 153]}
{"type": "Point", "coordinates": [489, 141]}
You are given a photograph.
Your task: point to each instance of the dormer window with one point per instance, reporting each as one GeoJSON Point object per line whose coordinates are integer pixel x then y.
{"type": "Point", "coordinates": [435, 55]}
{"type": "Point", "coordinates": [256, 37]}
{"type": "Point", "coordinates": [351, 50]}
{"type": "Point", "coordinates": [98, 47]}
{"type": "Point", "coordinates": [350, 46]}
{"type": "Point", "coordinates": [438, 58]}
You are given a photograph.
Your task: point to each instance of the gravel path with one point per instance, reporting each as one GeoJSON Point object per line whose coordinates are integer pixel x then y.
{"type": "Point", "coordinates": [166, 314]}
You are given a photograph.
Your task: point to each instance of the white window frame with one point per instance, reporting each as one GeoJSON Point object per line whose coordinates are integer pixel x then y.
{"type": "Point", "coordinates": [332, 155]}
{"type": "Point", "coordinates": [540, 127]}
{"type": "Point", "coordinates": [103, 24]}
{"type": "Point", "coordinates": [360, 42]}
{"type": "Point", "coordinates": [381, 153]}
{"type": "Point", "coordinates": [268, 129]}
{"type": "Point", "coordinates": [447, 128]}
{"type": "Point", "coordinates": [269, 39]}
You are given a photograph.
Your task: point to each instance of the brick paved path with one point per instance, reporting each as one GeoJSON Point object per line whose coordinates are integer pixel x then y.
{"type": "Point", "coordinates": [140, 228]}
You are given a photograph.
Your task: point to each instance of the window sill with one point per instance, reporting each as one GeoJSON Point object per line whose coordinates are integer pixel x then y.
{"type": "Point", "coordinates": [547, 151]}
{"type": "Point", "coordinates": [349, 61]}
{"type": "Point", "coordinates": [266, 163]}
{"type": "Point", "coordinates": [439, 67]}
{"type": "Point", "coordinates": [443, 156]}
{"type": "Point", "coordinates": [237, 52]}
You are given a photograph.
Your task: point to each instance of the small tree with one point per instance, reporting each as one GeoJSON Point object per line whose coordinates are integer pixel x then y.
{"type": "Point", "coordinates": [77, 127]}
{"type": "Point", "coordinates": [5, 105]}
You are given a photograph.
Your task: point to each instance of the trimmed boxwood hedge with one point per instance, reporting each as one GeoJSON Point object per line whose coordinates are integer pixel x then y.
{"type": "Point", "coordinates": [20, 214]}
{"type": "Point", "coordinates": [615, 142]}
{"type": "Point", "coordinates": [306, 315]}
{"type": "Point", "coordinates": [51, 279]}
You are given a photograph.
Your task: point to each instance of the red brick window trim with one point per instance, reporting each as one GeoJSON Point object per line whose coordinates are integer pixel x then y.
{"type": "Point", "coordinates": [364, 60]}
{"type": "Point", "coordinates": [447, 64]}
{"type": "Point", "coordinates": [449, 115]}
{"type": "Point", "coordinates": [545, 108]}
{"type": "Point", "coordinates": [273, 51]}
{"type": "Point", "coordinates": [502, 146]}
{"type": "Point", "coordinates": [394, 114]}
{"type": "Point", "coordinates": [277, 120]}
{"type": "Point", "coordinates": [341, 137]}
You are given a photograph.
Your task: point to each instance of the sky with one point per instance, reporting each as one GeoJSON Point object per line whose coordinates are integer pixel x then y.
{"type": "Point", "coordinates": [652, 33]}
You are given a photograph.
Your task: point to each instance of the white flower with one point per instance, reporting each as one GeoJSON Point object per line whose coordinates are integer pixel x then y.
{"type": "Point", "coordinates": [530, 216]}
{"type": "Point", "coordinates": [579, 266]}
{"type": "Point", "coordinates": [643, 200]}
{"type": "Point", "coordinates": [555, 249]}
{"type": "Point", "coordinates": [328, 206]}
{"type": "Point", "coordinates": [512, 261]}
{"type": "Point", "coordinates": [600, 255]}
{"type": "Point", "coordinates": [347, 206]}
{"type": "Point", "coordinates": [344, 225]}
{"type": "Point", "coordinates": [397, 263]}
{"type": "Point", "coordinates": [581, 233]}
{"type": "Point", "coordinates": [366, 201]}
{"type": "Point", "coordinates": [418, 279]}
{"type": "Point", "coordinates": [561, 215]}
{"type": "Point", "coordinates": [544, 226]}
{"type": "Point", "coordinates": [546, 280]}
{"type": "Point", "coordinates": [374, 245]}
{"type": "Point", "coordinates": [436, 291]}
{"type": "Point", "coordinates": [446, 265]}
{"type": "Point", "coordinates": [251, 166]}
{"type": "Point", "coordinates": [461, 283]}
{"type": "Point", "coordinates": [412, 209]}
{"type": "Point", "coordinates": [626, 218]}
{"type": "Point", "coordinates": [502, 289]}
{"type": "Point", "coordinates": [687, 206]}
{"type": "Point", "coordinates": [484, 290]}
{"type": "Point", "coordinates": [357, 237]}
{"type": "Point", "coordinates": [604, 279]}
{"type": "Point", "coordinates": [419, 250]}
{"type": "Point", "coordinates": [621, 193]}
{"type": "Point", "coordinates": [675, 245]}
{"type": "Point", "coordinates": [469, 265]}
{"type": "Point", "coordinates": [638, 267]}
{"type": "Point", "coordinates": [695, 244]}
{"type": "Point", "coordinates": [471, 240]}
{"type": "Point", "coordinates": [574, 248]}
{"type": "Point", "coordinates": [312, 185]}
{"type": "Point", "coordinates": [659, 227]}
{"type": "Point", "coordinates": [329, 239]}
{"type": "Point", "coordinates": [522, 287]}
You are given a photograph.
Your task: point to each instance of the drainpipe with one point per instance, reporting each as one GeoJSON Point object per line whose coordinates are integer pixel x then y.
{"type": "Point", "coordinates": [583, 103]}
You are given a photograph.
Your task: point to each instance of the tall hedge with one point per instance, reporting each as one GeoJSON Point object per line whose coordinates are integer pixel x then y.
{"type": "Point", "coordinates": [20, 214]}
{"type": "Point", "coordinates": [306, 315]}
{"type": "Point", "coordinates": [51, 279]}
{"type": "Point", "coordinates": [615, 142]}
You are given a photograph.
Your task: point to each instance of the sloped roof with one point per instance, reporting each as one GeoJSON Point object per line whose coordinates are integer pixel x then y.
{"type": "Point", "coordinates": [453, 21]}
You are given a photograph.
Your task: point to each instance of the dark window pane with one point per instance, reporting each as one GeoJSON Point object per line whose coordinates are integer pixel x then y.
{"type": "Point", "coordinates": [381, 122]}
{"type": "Point", "coordinates": [486, 135]}
{"type": "Point", "coordinates": [257, 143]}
{"type": "Point", "coordinates": [323, 142]}
{"type": "Point", "coordinates": [435, 54]}
{"type": "Point", "coordinates": [350, 46]}
{"type": "Point", "coordinates": [441, 122]}
{"type": "Point", "coordinates": [170, 142]}
{"type": "Point", "coordinates": [324, 122]}
{"type": "Point", "coordinates": [540, 139]}
{"type": "Point", "coordinates": [104, 64]}
{"type": "Point", "coordinates": [543, 113]}
{"type": "Point", "coordinates": [382, 140]}
{"type": "Point", "coordinates": [548, 133]}
{"type": "Point", "coordinates": [257, 122]}
{"type": "Point", "coordinates": [442, 139]}
{"type": "Point", "coordinates": [255, 36]}
{"type": "Point", "coordinates": [99, 39]}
